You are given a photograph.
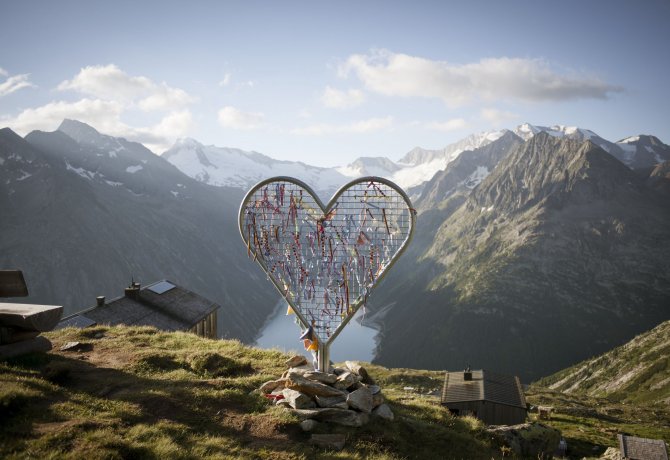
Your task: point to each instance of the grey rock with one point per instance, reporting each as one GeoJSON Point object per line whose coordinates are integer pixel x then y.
{"type": "Point", "coordinates": [374, 389]}
{"type": "Point", "coordinates": [34, 345]}
{"type": "Point", "coordinates": [332, 415]}
{"type": "Point", "coordinates": [298, 400]}
{"type": "Point", "coordinates": [297, 382]}
{"type": "Point", "coordinates": [308, 425]}
{"type": "Point", "coordinates": [295, 361]}
{"type": "Point", "coordinates": [528, 440]}
{"type": "Point", "coordinates": [359, 370]}
{"type": "Point", "coordinates": [361, 400]}
{"type": "Point", "coordinates": [377, 399]}
{"type": "Point", "coordinates": [331, 401]}
{"type": "Point", "coordinates": [272, 385]}
{"type": "Point", "coordinates": [346, 380]}
{"type": "Point", "coordinates": [322, 377]}
{"type": "Point", "coordinates": [383, 411]}
{"type": "Point", "coordinates": [328, 441]}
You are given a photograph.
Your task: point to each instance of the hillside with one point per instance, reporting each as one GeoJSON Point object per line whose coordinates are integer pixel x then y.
{"type": "Point", "coordinates": [137, 392]}
{"type": "Point", "coordinates": [559, 241]}
{"type": "Point", "coordinates": [638, 371]}
{"type": "Point", "coordinates": [84, 213]}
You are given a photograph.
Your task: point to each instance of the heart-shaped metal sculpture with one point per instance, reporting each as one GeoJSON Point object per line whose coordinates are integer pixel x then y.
{"type": "Point", "coordinates": [326, 259]}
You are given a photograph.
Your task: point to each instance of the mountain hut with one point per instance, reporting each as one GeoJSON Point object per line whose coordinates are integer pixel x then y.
{"type": "Point", "coordinates": [162, 304]}
{"type": "Point", "coordinates": [496, 399]}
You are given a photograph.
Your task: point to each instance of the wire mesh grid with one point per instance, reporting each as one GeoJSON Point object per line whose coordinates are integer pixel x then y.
{"type": "Point", "coordinates": [325, 261]}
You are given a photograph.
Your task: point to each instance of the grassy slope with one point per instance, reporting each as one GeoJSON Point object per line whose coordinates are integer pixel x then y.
{"type": "Point", "coordinates": [626, 390]}
{"type": "Point", "coordinates": [140, 393]}
{"type": "Point", "coordinates": [638, 371]}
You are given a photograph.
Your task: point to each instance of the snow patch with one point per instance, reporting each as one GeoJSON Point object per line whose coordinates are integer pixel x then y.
{"type": "Point", "coordinates": [133, 169]}
{"type": "Point", "coordinates": [174, 193]}
{"type": "Point", "coordinates": [25, 175]}
{"type": "Point", "coordinates": [629, 140]}
{"type": "Point", "coordinates": [113, 183]}
{"type": "Point", "coordinates": [81, 171]}
{"type": "Point", "coordinates": [476, 177]}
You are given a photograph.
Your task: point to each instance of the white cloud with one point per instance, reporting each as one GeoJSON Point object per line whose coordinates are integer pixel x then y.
{"type": "Point", "coordinates": [13, 83]}
{"type": "Point", "coordinates": [230, 117]}
{"type": "Point", "coordinates": [454, 124]}
{"type": "Point", "coordinates": [111, 83]}
{"type": "Point", "coordinates": [105, 116]}
{"type": "Point", "coordinates": [226, 80]}
{"type": "Point", "coordinates": [336, 99]}
{"type": "Point", "coordinates": [497, 117]}
{"type": "Point", "coordinates": [395, 74]}
{"type": "Point", "coordinates": [362, 126]}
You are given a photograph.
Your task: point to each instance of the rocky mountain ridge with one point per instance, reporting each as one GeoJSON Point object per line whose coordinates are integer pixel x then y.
{"type": "Point", "coordinates": [82, 218]}
{"type": "Point", "coordinates": [559, 240]}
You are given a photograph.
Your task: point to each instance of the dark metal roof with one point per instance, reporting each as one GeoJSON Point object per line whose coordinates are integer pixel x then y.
{"type": "Point", "coordinates": [484, 386]}
{"type": "Point", "coordinates": [642, 448]}
{"type": "Point", "coordinates": [176, 309]}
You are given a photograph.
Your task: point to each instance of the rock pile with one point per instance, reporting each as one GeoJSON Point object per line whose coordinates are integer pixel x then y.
{"type": "Point", "coordinates": [346, 396]}
{"type": "Point", "coordinates": [21, 326]}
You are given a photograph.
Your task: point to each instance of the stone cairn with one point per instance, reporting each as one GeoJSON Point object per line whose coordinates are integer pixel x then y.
{"type": "Point", "coordinates": [21, 326]}
{"type": "Point", "coordinates": [346, 396]}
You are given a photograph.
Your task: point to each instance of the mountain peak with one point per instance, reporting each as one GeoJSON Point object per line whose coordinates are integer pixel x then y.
{"type": "Point", "coordinates": [79, 131]}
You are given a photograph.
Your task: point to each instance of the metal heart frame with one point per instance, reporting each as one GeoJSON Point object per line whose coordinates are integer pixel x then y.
{"type": "Point", "coordinates": [293, 225]}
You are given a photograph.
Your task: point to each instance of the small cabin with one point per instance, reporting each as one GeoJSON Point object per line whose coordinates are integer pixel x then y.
{"type": "Point", "coordinates": [495, 399]}
{"type": "Point", "coordinates": [634, 448]}
{"type": "Point", "coordinates": [163, 305]}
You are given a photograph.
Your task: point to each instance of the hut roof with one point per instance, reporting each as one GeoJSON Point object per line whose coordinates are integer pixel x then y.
{"type": "Point", "coordinates": [642, 448]}
{"type": "Point", "coordinates": [162, 304]}
{"type": "Point", "coordinates": [484, 386]}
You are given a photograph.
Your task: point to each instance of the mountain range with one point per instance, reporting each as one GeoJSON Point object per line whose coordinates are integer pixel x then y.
{"type": "Point", "coordinates": [85, 213]}
{"type": "Point", "coordinates": [535, 247]}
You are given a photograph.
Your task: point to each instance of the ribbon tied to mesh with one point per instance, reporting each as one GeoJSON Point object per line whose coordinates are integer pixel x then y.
{"type": "Point", "coordinates": [325, 260]}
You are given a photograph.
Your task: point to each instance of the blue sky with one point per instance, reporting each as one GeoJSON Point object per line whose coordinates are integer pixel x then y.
{"type": "Point", "coordinates": [325, 83]}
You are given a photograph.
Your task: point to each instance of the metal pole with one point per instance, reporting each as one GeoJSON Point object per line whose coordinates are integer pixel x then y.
{"type": "Point", "coordinates": [323, 357]}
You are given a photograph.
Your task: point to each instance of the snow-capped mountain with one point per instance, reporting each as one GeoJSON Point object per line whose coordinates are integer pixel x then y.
{"type": "Point", "coordinates": [643, 151]}
{"type": "Point", "coordinates": [636, 152]}
{"type": "Point", "coordinates": [221, 166]}
{"type": "Point", "coordinates": [236, 168]}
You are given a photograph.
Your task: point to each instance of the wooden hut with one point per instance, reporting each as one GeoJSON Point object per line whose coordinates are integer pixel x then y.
{"type": "Point", "coordinates": [634, 448]}
{"type": "Point", "coordinates": [496, 399]}
{"type": "Point", "coordinates": [162, 304]}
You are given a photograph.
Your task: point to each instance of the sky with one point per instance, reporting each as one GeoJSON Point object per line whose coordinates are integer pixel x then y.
{"type": "Point", "coordinates": [328, 82]}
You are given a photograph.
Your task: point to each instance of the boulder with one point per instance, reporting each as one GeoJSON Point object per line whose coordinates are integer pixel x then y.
{"type": "Point", "coordinates": [328, 441]}
{"type": "Point", "coordinates": [612, 453]}
{"type": "Point", "coordinates": [377, 399]}
{"type": "Point", "coordinates": [359, 370]}
{"type": "Point", "coordinates": [27, 317]}
{"type": "Point", "coordinates": [374, 389]}
{"type": "Point", "coordinates": [528, 440]}
{"type": "Point", "coordinates": [308, 425]}
{"type": "Point", "coordinates": [272, 385]}
{"type": "Point", "coordinates": [322, 377]}
{"type": "Point", "coordinates": [34, 345]}
{"type": "Point", "coordinates": [361, 400]}
{"type": "Point", "coordinates": [298, 400]}
{"type": "Point", "coordinates": [346, 380]}
{"type": "Point", "coordinates": [332, 401]}
{"type": "Point", "coordinates": [295, 361]}
{"type": "Point", "coordinates": [297, 382]}
{"type": "Point", "coordinates": [331, 415]}
{"type": "Point", "coordinates": [383, 411]}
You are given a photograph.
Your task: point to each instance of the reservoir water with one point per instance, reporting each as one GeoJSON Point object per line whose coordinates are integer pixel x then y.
{"type": "Point", "coordinates": [356, 342]}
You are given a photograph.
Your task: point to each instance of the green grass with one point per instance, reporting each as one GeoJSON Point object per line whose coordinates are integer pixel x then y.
{"type": "Point", "coordinates": [590, 424]}
{"type": "Point", "coordinates": [141, 393]}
